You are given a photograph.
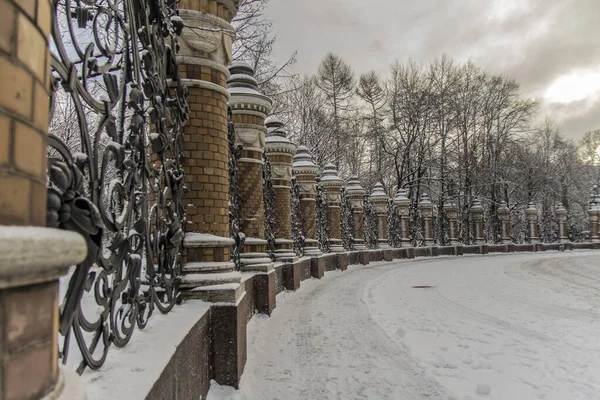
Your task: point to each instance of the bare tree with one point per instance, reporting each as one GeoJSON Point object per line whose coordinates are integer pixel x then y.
{"type": "Point", "coordinates": [336, 79]}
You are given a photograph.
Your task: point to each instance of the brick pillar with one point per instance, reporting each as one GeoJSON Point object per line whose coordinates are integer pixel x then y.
{"type": "Point", "coordinates": [332, 184]}
{"type": "Point", "coordinates": [504, 215]}
{"type": "Point", "coordinates": [305, 171]}
{"type": "Point", "coordinates": [356, 194]}
{"type": "Point", "coordinates": [32, 257]}
{"type": "Point", "coordinates": [532, 217]}
{"type": "Point", "coordinates": [250, 108]}
{"type": "Point", "coordinates": [402, 203]}
{"type": "Point", "coordinates": [380, 201]}
{"type": "Point", "coordinates": [594, 215]}
{"type": "Point", "coordinates": [204, 55]}
{"type": "Point", "coordinates": [477, 216]}
{"type": "Point", "coordinates": [280, 151]}
{"type": "Point", "coordinates": [203, 68]}
{"type": "Point", "coordinates": [451, 211]}
{"type": "Point", "coordinates": [426, 209]}
{"type": "Point", "coordinates": [561, 216]}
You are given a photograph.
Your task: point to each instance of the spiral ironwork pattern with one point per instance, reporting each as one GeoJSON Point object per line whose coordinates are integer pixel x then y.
{"type": "Point", "coordinates": [119, 182]}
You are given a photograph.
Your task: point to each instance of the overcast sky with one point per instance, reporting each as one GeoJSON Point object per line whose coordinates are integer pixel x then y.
{"type": "Point", "coordinates": [552, 47]}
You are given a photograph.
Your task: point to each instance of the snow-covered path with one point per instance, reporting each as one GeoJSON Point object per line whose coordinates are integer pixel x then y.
{"type": "Point", "coordinates": [496, 327]}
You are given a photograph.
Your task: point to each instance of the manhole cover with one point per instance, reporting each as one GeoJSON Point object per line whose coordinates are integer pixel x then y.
{"type": "Point", "coordinates": [421, 287]}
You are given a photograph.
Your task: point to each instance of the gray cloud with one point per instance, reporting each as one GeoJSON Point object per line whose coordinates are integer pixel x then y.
{"type": "Point", "coordinates": [535, 41]}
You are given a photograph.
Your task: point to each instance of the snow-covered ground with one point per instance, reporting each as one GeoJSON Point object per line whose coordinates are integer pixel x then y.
{"type": "Point", "coordinates": [496, 327]}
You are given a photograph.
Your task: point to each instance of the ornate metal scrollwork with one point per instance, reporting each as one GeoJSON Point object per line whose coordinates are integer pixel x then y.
{"type": "Point", "coordinates": [371, 224]}
{"type": "Point", "coordinates": [269, 207]}
{"type": "Point", "coordinates": [117, 176]}
{"type": "Point", "coordinates": [322, 218]}
{"type": "Point", "coordinates": [347, 227]}
{"type": "Point", "coordinates": [297, 219]}
{"type": "Point", "coordinates": [235, 202]}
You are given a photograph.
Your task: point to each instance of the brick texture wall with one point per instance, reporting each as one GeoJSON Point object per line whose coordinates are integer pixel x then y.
{"type": "Point", "coordinates": [251, 194]}
{"type": "Point", "coordinates": [213, 7]}
{"type": "Point", "coordinates": [283, 214]}
{"type": "Point", "coordinates": [206, 148]}
{"type": "Point", "coordinates": [24, 68]}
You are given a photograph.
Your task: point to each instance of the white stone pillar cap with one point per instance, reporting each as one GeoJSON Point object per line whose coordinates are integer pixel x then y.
{"type": "Point", "coordinates": [560, 209]}
{"type": "Point", "coordinates": [277, 140]}
{"type": "Point", "coordinates": [401, 198]}
{"type": "Point", "coordinates": [531, 210]}
{"type": "Point", "coordinates": [31, 255]}
{"type": "Point", "coordinates": [330, 176]}
{"type": "Point", "coordinates": [354, 187]}
{"type": "Point", "coordinates": [243, 88]}
{"type": "Point", "coordinates": [476, 207]}
{"type": "Point", "coordinates": [379, 194]}
{"type": "Point", "coordinates": [303, 162]}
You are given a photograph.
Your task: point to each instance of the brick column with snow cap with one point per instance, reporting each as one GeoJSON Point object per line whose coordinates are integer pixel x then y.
{"type": "Point", "coordinates": [561, 216]}
{"type": "Point", "coordinates": [250, 108]}
{"type": "Point", "coordinates": [332, 184]}
{"type": "Point", "coordinates": [402, 203]}
{"type": "Point", "coordinates": [305, 171]}
{"type": "Point", "coordinates": [451, 211]}
{"type": "Point", "coordinates": [280, 151]}
{"type": "Point", "coordinates": [476, 211]}
{"type": "Point", "coordinates": [356, 194]}
{"type": "Point", "coordinates": [504, 215]}
{"type": "Point", "coordinates": [594, 215]}
{"type": "Point", "coordinates": [380, 200]}
{"type": "Point", "coordinates": [532, 218]}
{"type": "Point", "coordinates": [208, 273]}
{"type": "Point", "coordinates": [426, 208]}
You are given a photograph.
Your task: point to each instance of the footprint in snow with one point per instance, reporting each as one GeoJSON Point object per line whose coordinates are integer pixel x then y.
{"type": "Point", "coordinates": [484, 390]}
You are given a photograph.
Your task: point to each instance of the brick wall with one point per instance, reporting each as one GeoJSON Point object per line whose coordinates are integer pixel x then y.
{"type": "Point", "coordinates": [213, 7]}
{"type": "Point", "coordinates": [24, 67]}
{"type": "Point", "coordinates": [283, 214]}
{"type": "Point", "coordinates": [206, 148]}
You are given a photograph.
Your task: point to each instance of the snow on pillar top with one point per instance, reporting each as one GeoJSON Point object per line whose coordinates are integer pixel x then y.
{"type": "Point", "coordinates": [531, 211]}
{"type": "Point", "coordinates": [560, 210]}
{"type": "Point", "coordinates": [330, 176]}
{"type": "Point", "coordinates": [303, 162]}
{"type": "Point", "coordinates": [476, 207]}
{"type": "Point", "coordinates": [277, 140]}
{"type": "Point", "coordinates": [425, 204]}
{"type": "Point", "coordinates": [245, 97]}
{"type": "Point", "coordinates": [378, 194]}
{"type": "Point", "coordinates": [503, 208]}
{"type": "Point", "coordinates": [401, 199]}
{"type": "Point", "coordinates": [354, 188]}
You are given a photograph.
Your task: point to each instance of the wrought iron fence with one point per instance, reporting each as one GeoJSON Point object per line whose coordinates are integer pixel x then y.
{"type": "Point", "coordinates": [118, 177]}
{"type": "Point", "coordinates": [235, 201]}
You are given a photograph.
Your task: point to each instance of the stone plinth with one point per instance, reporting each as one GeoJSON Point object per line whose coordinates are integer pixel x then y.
{"type": "Point", "coordinates": [402, 203]}
{"type": "Point", "coordinates": [332, 184]}
{"type": "Point", "coordinates": [305, 171]}
{"type": "Point", "coordinates": [380, 200]}
{"type": "Point", "coordinates": [31, 262]}
{"type": "Point", "coordinates": [280, 151]}
{"type": "Point", "coordinates": [356, 194]}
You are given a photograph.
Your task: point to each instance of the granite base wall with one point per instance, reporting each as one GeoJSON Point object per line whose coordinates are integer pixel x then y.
{"type": "Point", "coordinates": [215, 348]}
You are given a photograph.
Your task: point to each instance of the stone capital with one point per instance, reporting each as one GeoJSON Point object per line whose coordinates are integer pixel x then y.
{"type": "Point", "coordinates": [31, 255]}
